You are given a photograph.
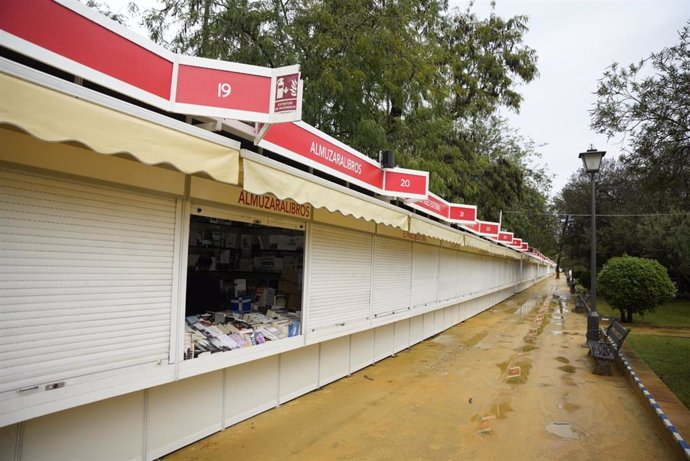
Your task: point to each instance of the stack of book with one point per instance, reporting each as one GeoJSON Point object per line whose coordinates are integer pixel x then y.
{"type": "Point", "coordinates": [225, 331]}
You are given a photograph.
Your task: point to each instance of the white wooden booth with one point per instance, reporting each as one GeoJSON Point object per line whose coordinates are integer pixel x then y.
{"type": "Point", "coordinates": [93, 252]}
{"type": "Point", "coordinates": [97, 200]}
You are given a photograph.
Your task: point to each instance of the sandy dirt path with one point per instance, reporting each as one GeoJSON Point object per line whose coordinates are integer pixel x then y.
{"type": "Point", "coordinates": [500, 386]}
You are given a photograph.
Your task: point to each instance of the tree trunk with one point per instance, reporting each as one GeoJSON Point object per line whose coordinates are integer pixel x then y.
{"type": "Point", "coordinates": [560, 247]}
{"type": "Point", "coordinates": [205, 28]}
{"type": "Point", "coordinates": [630, 313]}
{"type": "Point", "coordinates": [622, 315]}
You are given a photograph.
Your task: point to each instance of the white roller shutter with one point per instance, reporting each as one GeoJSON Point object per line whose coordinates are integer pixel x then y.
{"type": "Point", "coordinates": [86, 275]}
{"type": "Point", "coordinates": [424, 274]}
{"type": "Point", "coordinates": [339, 278]}
{"type": "Point", "coordinates": [448, 276]}
{"type": "Point", "coordinates": [462, 287]}
{"type": "Point", "coordinates": [465, 272]}
{"type": "Point", "coordinates": [392, 276]}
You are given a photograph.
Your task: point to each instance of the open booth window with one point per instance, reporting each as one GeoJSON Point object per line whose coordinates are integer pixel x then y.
{"type": "Point", "coordinates": [244, 283]}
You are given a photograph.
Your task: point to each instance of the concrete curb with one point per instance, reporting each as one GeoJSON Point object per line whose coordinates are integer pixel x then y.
{"type": "Point", "coordinates": [683, 445]}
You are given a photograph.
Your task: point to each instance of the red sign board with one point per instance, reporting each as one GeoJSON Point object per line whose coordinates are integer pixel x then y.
{"type": "Point", "coordinates": [405, 183]}
{"type": "Point", "coordinates": [525, 246]}
{"type": "Point", "coordinates": [490, 229]}
{"type": "Point", "coordinates": [49, 31]}
{"type": "Point", "coordinates": [433, 205]}
{"type": "Point", "coordinates": [286, 93]}
{"type": "Point", "coordinates": [81, 41]}
{"type": "Point", "coordinates": [463, 214]}
{"type": "Point", "coordinates": [205, 87]}
{"type": "Point", "coordinates": [309, 146]}
{"type": "Point", "coordinates": [506, 237]}
{"type": "Point", "coordinates": [517, 243]}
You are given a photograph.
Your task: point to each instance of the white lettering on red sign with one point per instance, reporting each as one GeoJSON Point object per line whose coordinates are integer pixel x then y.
{"type": "Point", "coordinates": [224, 90]}
{"type": "Point", "coordinates": [407, 182]}
{"type": "Point", "coordinates": [463, 213]}
{"type": "Point", "coordinates": [434, 205]}
{"type": "Point", "coordinates": [337, 158]}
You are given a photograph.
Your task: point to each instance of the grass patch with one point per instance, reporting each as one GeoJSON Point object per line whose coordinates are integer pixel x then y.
{"type": "Point", "coordinates": [674, 314]}
{"type": "Point", "coordinates": [668, 357]}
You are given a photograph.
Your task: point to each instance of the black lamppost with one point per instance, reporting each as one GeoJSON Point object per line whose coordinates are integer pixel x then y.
{"type": "Point", "coordinates": [592, 160]}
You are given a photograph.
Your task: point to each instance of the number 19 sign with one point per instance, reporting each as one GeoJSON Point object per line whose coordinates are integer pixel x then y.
{"type": "Point", "coordinates": [232, 90]}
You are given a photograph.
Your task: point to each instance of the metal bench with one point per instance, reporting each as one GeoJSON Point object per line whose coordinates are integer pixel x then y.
{"type": "Point", "coordinates": [605, 350]}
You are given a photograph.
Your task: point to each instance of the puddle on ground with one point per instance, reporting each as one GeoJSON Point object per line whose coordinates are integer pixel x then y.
{"type": "Point", "coordinates": [483, 346]}
{"type": "Point", "coordinates": [544, 323]}
{"type": "Point", "coordinates": [524, 374]}
{"type": "Point", "coordinates": [500, 410]}
{"type": "Point", "coordinates": [567, 368]}
{"type": "Point", "coordinates": [526, 308]}
{"type": "Point", "coordinates": [474, 340]}
{"type": "Point", "coordinates": [562, 359]}
{"type": "Point", "coordinates": [503, 365]}
{"type": "Point", "coordinates": [484, 427]}
{"type": "Point", "coordinates": [568, 380]}
{"type": "Point", "coordinates": [564, 431]}
{"type": "Point", "coordinates": [569, 407]}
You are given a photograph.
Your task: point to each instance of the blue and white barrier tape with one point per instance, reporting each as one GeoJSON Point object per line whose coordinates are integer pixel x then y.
{"type": "Point", "coordinates": [667, 422]}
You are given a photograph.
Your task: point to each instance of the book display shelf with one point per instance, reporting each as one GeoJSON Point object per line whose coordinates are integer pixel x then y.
{"type": "Point", "coordinates": [244, 285]}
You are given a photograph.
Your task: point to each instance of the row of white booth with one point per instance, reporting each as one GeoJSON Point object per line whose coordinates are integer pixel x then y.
{"type": "Point", "coordinates": [159, 283]}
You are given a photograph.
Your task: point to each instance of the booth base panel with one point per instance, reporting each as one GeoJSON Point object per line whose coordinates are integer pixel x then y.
{"type": "Point", "coordinates": [148, 424]}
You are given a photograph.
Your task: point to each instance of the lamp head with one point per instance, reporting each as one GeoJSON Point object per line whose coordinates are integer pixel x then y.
{"type": "Point", "coordinates": [592, 159]}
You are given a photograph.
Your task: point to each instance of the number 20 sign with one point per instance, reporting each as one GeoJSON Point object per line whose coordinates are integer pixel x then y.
{"type": "Point", "coordinates": [407, 183]}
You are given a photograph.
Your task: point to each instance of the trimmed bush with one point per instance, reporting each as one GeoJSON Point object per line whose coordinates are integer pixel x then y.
{"type": "Point", "coordinates": [632, 284]}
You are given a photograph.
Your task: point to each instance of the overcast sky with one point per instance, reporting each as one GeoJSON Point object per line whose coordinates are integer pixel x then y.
{"type": "Point", "coordinates": [575, 41]}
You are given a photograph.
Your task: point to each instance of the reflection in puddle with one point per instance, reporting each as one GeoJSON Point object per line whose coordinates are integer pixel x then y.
{"type": "Point", "coordinates": [569, 407]}
{"type": "Point", "coordinates": [564, 430]}
{"type": "Point", "coordinates": [501, 410]}
{"type": "Point", "coordinates": [526, 308]}
{"type": "Point", "coordinates": [524, 374]}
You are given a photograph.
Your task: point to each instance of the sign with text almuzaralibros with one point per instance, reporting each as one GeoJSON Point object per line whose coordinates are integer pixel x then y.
{"type": "Point", "coordinates": [69, 36]}
{"type": "Point", "coordinates": [309, 146]}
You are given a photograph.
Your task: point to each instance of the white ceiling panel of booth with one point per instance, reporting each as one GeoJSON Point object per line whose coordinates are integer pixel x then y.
{"type": "Point", "coordinates": [57, 111]}
{"type": "Point", "coordinates": [264, 176]}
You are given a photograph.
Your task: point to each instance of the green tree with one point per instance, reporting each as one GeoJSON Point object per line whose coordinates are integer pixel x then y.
{"type": "Point", "coordinates": [648, 190]}
{"type": "Point", "coordinates": [106, 11]}
{"type": "Point", "coordinates": [635, 285]}
{"type": "Point", "coordinates": [648, 104]}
